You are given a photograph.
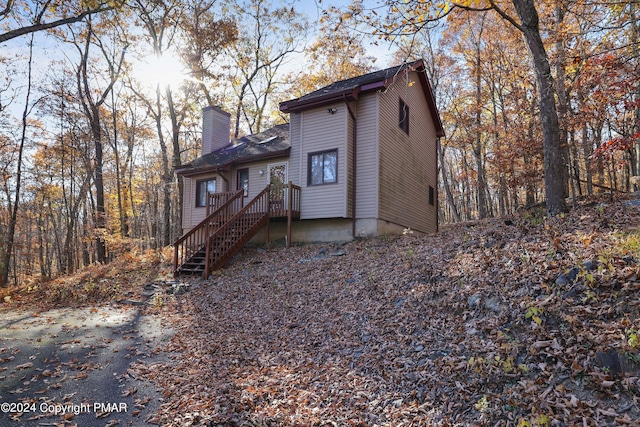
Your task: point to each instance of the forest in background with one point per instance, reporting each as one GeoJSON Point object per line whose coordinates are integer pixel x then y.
{"type": "Point", "coordinates": [90, 137]}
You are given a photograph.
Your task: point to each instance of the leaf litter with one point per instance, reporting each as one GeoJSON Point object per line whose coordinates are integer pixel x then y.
{"type": "Point", "coordinates": [524, 321]}
{"type": "Point", "coordinates": [529, 321]}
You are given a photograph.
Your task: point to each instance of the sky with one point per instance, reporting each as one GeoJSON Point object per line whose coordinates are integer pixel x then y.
{"type": "Point", "coordinates": [313, 8]}
{"type": "Point", "coordinates": [46, 49]}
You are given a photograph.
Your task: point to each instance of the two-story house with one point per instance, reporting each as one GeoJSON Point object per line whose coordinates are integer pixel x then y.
{"type": "Point", "coordinates": [359, 158]}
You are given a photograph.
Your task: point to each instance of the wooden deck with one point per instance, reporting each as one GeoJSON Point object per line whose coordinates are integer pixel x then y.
{"type": "Point", "coordinates": [227, 211]}
{"type": "Point", "coordinates": [284, 201]}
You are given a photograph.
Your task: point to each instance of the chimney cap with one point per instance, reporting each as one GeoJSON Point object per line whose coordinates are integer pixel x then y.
{"type": "Point", "coordinates": [217, 109]}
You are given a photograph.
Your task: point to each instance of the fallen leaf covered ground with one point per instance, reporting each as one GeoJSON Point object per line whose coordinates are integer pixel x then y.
{"type": "Point", "coordinates": [520, 322]}
{"type": "Point", "coordinates": [66, 345]}
{"type": "Point", "coordinates": [524, 321]}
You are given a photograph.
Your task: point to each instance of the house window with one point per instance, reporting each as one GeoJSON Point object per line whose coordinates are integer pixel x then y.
{"type": "Point", "coordinates": [403, 117]}
{"type": "Point", "coordinates": [203, 187]}
{"type": "Point", "coordinates": [323, 167]}
{"type": "Point", "coordinates": [243, 181]}
{"type": "Point", "coordinates": [432, 196]}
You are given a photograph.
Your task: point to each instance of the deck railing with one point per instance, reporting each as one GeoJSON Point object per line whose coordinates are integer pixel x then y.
{"type": "Point", "coordinates": [227, 240]}
{"type": "Point", "coordinates": [226, 230]}
{"type": "Point", "coordinates": [285, 200]}
{"type": "Point", "coordinates": [196, 238]}
{"type": "Point", "coordinates": [216, 200]}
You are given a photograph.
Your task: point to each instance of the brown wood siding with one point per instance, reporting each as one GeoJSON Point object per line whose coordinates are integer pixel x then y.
{"type": "Point", "coordinates": [367, 157]}
{"type": "Point", "coordinates": [322, 131]}
{"type": "Point", "coordinates": [407, 162]}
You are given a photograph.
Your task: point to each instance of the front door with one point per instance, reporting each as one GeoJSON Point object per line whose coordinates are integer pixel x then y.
{"type": "Point", "coordinates": [278, 180]}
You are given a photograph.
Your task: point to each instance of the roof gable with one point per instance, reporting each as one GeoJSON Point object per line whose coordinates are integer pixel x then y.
{"type": "Point", "coordinates": [350, 89]}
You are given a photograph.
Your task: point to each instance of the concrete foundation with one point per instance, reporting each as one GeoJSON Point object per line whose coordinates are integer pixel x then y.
{"type": "Point", "coordinates": [327, 230]}
{"type": "Point", "coordinates": [307, 231]}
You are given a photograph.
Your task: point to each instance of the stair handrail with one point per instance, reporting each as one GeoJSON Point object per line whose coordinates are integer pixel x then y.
{"type": "Point", "coordinates": [259, 198]}
{"type": "Point", "coordinates": [180, 249]}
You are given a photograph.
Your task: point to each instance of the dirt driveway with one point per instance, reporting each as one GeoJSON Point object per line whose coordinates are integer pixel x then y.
{"type": "Point", "coordinates": [72, 366]}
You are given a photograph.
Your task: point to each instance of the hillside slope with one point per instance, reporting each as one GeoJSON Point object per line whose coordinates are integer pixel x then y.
{"type": "Point", "coordinates": [524, 322]}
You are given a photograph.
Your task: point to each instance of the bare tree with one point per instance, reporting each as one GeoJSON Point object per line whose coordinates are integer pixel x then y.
{"type": "Point", "coordinates": [269, 36]}
{"type": "Point", "coordinates": [91, 106]}
{"type": "Point", "coordinates": [15, 204]}
{"type": "Point", "coordinates": [29, 17]}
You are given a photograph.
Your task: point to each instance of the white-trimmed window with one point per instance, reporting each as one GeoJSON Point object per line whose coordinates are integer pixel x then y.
{"type": "Point", "coordinates": [203, 187]}
{"type": "Point", "coordinates": [323, 167]}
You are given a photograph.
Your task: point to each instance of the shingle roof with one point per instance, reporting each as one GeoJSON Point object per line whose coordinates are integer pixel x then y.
{"type": "Point", "coordinates": [350, 89]}
{"type": "Point", "coordinates": [272, 142]}
{"type": "Point", "coordinates": [349, 85]}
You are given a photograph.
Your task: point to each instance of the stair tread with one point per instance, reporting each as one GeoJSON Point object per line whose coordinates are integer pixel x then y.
{"type": "Point", "coordinates": [226, 245]}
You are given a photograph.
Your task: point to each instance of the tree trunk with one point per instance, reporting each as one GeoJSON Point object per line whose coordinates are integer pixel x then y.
{"type": "Point", "coordinates": [561, 87]}
{"type": "Point", "coordinates": [575, 163]}
{"type": "Point", "coordinates": [466, 186]}
{"type": "Point", "coordinates": [176, 161]}
{"type": "Point", "coordinates": [92, 112]}
{"type": "Point", "coordinates": [445, 184]}
{"type": "Point", "coordinates": [166, 174]}
{"type": "Point", "coordinates": [555, 152]}
{"type": "Point", "coordinates": [477, 147]}
{"type": "Point", "coordinates": [98, 180]}
{"type": "Point", "coordinates": [11, 230]}
{"type": "Point", "coordinates": [587, 147]}
{"type": "Point", "coordinates": [124, 229]}
{"type": "Point", "coordinates": [635, 151]}
{"type": "Point", "coordinates": [69, 265]}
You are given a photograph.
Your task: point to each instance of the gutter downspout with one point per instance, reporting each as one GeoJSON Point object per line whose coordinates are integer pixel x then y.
{"type": "Point", "coordinates": [225, 179]}
{"type": "Point", "coordinates": [353, 167]}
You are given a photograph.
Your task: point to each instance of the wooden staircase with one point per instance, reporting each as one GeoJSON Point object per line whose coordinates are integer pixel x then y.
{"type": "Point", "coordinates": [190, 249]}
{"type": "Point", "coordinates": [194, 266]}
{"type": "Point", "coordinates": [209, 245]}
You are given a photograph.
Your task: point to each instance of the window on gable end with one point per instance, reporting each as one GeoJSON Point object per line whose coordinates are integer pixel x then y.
{"type": "Point", "coordinates": [403, 116]}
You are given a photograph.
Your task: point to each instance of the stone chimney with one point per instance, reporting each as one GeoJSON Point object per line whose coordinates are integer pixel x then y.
{"type": "Point", "coordinates": [216, 127]}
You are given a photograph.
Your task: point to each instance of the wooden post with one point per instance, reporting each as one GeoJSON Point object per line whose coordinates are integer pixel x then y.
{"type": "Point", "coordinates": [206, 259]}
{"type": "Point", "coordinates": [175, 261]}
{"type": "Point", "coordinates": [268, 211]}
{"type": "Point", "coordinates": [289, 212]}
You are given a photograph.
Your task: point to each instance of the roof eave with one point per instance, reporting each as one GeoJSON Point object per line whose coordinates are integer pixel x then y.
{"type": "Point", "coordinates": [296, 105]}
{"type": "Point", "coordinates": [227, 166]}
{"type": "Point", "coordinates": [420, 68]}
{"type": "Point", "coordinates": [431, 102]}
{"type": "Point", "coordinates": [188, 172]}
